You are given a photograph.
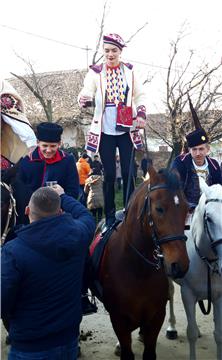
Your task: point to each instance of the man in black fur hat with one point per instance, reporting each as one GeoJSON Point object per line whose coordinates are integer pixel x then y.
{"type": "Point", "coordinates": [196, 163]}
{"type": "Point", "coordinates": [48, 163]}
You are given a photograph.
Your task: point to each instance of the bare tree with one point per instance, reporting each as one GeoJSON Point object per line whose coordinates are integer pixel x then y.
{"type": "Point", "coordinates": [204, 87]}
{"type": "Point", "coordinates": [97, 56]}
{"type": "Point", "coordinates": [38, 87]}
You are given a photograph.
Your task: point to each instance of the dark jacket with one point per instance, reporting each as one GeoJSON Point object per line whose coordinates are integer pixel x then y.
{"type": "Point", "coordinates": [35, 172]}
{"type": "Point", "coordinates": [189, 179]}
{"type": "Point", "coordinates": [42, 277]}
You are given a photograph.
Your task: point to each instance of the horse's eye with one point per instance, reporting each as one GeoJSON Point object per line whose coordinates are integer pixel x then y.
{"type": "Point", "coordinates": [160, 210]}
{"type": "Point", "coordinates": [208, 219]}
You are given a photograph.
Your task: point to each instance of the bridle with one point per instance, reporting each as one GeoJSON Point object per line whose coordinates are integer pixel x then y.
{"type": "Point", "coordinates": [164, 239]}
{"type": "Point", "coordinates": [158, 241]}
{"type": "Point", "coordinates": [11, 211]}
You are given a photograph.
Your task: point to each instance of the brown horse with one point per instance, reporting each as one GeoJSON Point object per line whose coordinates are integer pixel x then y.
{"type": "Point", "coordinates": [145, 248]}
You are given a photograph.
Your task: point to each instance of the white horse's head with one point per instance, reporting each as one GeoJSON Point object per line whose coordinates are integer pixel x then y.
{"type": "Point", "coordinates": [211, 206]}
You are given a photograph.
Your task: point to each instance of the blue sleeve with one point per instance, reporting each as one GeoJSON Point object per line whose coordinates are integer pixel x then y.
{"type": "Point", "coordinates": [180, 167]}
{"type": "Point", "coordinates": [21, 170]}
{"type": "Point", "coordinates": [72, 178]}
{"type": "Point", "coordinates": [10, 281]}
{"type": "Point", "coordinates": [85, 221]}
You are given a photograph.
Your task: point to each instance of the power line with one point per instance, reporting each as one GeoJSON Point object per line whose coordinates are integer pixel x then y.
{"type": "Point", "coordinates": [45, 38]}
{"type": "Point", "coordinates": [87, 49]}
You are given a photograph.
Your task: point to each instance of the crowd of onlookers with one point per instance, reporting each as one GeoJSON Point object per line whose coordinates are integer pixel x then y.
{"type": "Point", "coordinates": [91, 180]}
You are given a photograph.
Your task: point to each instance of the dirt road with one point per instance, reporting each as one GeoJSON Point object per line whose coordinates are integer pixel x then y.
{"type": "Point", "coordinates": [100, 340]}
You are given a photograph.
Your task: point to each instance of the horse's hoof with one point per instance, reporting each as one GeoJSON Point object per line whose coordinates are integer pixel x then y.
{"type": "Point", "coordinates": [117, 351]}
{"type": "Point", "coordinates": [171, 334]}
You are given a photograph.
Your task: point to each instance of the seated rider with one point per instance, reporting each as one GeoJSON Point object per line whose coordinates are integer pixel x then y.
{"type": "Point", "coordinates": [196, 163]}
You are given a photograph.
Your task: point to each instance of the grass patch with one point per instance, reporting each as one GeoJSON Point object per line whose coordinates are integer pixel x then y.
{"type": "Point", "coordinates": [119, 196]}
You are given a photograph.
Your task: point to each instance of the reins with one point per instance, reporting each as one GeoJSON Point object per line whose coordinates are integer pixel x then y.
{"type": "Point", "coordinates": [11, 211]}
{"type": "Point", "coordinates": [130, 177]}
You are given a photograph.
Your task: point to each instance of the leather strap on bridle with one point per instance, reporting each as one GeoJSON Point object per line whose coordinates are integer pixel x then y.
{"type": "Point", "coordinates": [157, 240]}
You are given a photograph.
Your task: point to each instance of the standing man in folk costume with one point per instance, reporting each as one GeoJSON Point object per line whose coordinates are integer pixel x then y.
{"type": "Point", "coordinates": [119, 114]}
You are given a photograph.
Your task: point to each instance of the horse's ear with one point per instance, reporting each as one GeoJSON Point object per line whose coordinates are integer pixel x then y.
{"type": "Point", "coordinates": [152, 174]}
{"type": "Point", "coordinates": [204, 188]}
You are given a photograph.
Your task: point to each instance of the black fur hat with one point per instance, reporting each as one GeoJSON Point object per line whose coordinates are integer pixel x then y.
{"type": "Point", "coordinates": [197, 137]}
{"type": "Point", "coordinates": [49, 132]}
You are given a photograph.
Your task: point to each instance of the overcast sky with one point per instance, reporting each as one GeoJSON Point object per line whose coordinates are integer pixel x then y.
{"type": "Point", "coordinates": [77, 23]}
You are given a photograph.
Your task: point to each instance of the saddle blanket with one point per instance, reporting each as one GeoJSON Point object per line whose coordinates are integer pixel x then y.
{"type": "Point", "coordinates": [96, 251]}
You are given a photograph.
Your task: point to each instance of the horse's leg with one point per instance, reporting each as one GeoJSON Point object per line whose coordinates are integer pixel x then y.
{"type": "Point", "coordinates": [124, 336]}
{"type": "Point", "coordinates": [218, 326]}
{"type": "Point", "coordinates": [171, 332]}
{"type": "Point", "coordinates": [189, 303]}
{"type": "Point", "coordinates": [150, 331]}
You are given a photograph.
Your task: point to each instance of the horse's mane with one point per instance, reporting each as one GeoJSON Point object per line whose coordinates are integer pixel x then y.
{"type": "Point", "coordinates": [215, 191]}
{"type": "Point", "coordinates": [171, 179]}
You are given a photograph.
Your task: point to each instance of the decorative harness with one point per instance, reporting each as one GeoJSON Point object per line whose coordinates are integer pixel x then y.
{"type": "Point", "coordinates": [11, 211]}
{"type": "Point", "coordinates": [158, 241]}
{"type": "Point", "coordinates": [208, 261]}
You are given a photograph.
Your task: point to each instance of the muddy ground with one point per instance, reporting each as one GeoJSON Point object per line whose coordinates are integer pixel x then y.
{"type": "Point", "coordinates": [99, 340]}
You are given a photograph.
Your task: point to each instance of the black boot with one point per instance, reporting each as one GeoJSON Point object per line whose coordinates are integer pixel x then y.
{"type": "Point", "coordinates": [110, 217]}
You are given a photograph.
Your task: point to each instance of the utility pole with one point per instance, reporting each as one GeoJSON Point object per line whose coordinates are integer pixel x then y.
{"type": "Point", "coordinates": [87, 57]}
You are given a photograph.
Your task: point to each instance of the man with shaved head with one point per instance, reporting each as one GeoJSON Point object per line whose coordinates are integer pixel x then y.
{"type": "Point", "coordinates": [42, 271]}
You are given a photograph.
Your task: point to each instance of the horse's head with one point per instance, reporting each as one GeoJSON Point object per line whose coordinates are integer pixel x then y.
{"type": "Point", "coordinates": [208, 221]}
{"type": "Point", "coordinates": [162, 209]}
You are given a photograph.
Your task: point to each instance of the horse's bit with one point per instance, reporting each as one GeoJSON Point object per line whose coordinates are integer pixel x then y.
{"type": "Point", "coordinates": [157, 241]}
{"type": "Point", "coordinates": [11, 211]}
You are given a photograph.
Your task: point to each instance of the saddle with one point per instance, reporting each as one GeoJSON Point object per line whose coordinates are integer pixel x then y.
{"type": "Point", "coordinates": [96, 250]}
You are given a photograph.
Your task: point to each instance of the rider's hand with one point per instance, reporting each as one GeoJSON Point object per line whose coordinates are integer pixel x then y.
{"type": "Point", "coordinates": [58, 189]}
{"type": "Point", "coordinates": [140, 122]}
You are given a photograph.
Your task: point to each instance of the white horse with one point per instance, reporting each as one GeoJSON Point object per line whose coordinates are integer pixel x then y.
{"type": "Point", "coordinates": [203, 280]}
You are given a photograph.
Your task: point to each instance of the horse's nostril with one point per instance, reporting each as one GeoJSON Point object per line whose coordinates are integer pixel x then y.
{"type": "Point", "coordinates": [176, 271]}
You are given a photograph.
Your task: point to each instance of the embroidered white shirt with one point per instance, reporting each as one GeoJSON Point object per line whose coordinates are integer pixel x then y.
{"type": "Point", "coordinates": [202, 171]}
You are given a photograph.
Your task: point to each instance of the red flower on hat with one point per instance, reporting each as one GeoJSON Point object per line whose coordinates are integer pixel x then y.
{"type": "Point", "coordinates": [7, 102]}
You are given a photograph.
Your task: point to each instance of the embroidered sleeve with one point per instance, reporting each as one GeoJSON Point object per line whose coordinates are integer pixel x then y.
{"type": "Point", "coordinates": [140, 97]}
